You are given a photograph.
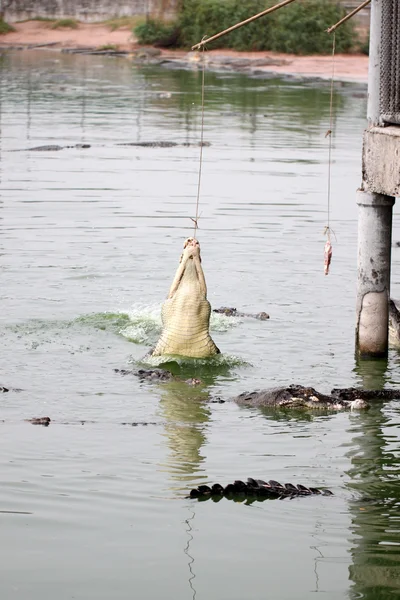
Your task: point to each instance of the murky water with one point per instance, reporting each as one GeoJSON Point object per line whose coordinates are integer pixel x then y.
{"type": "Point", "coordinates": [90, 240]}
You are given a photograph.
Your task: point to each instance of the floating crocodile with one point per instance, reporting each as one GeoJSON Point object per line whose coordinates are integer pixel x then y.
{"type": "Point", "coordinates": [233, 312]}
{"type": "Point", "coordinates": [255, 489]}
{"type": "Point", "coordinates": [52, 148]}
{"type": "Point", "coordinates": [186, 312]}
{"type": "Point", "coordinates": [165, 144]}
{"type": "Point", "coordinates": [45, 421]}
{"type": "Point", "coordinates": [298, 396]}
{"type": "Point", "coordinates": [4, 389]}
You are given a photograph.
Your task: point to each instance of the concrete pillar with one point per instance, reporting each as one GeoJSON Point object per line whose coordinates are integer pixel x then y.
{"type": "Point", "coordinates": [373, 284]}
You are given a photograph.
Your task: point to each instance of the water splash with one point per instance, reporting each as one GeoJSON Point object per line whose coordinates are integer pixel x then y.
{"type": "Point", "coordinates": [219, 361]}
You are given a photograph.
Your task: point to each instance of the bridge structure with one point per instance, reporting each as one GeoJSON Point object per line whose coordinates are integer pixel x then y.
{"type": "Point", "coordinates": [380, 180]}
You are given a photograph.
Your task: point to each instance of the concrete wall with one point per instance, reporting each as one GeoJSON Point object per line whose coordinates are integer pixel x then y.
{"type": "Point", "coordinates": [85, 10]}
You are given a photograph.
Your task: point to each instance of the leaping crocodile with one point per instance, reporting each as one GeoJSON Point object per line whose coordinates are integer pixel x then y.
{"type": "Point", "coordinates": [186, 312]}
{"type": "Point", "coordinates": [255, 489]}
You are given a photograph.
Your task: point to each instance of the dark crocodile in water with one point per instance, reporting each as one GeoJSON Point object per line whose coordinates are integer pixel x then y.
{"type": "Point", "coordinates": [4, 389]}
{"type": "Point", "coordinates": [255, 489]}
{"type": "Point", "coordinates": [157, 375]}
{"type": "Point", "coordinates": [148, 374]}
{"type": "Point", "coordinates": [233, 312]}
{"type": "Point", "coordinates": [299, 396]}
{"type": "Point", "coordinates": [52, 148]}
{"type": "Point", "coordinates": [45, 421]}
{"type": "Point", "coordinates": [165, 144]}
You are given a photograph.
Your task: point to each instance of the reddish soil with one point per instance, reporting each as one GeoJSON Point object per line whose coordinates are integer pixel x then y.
{"type": "Point", "coordinates": [350, 67]}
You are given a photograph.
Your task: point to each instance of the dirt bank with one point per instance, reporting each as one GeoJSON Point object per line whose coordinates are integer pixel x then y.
{"type": "Point", "coordinates": [348, 67]}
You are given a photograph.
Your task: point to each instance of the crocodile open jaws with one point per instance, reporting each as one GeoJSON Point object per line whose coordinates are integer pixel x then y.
{"type": "Point", "coordinates": [186, 312]}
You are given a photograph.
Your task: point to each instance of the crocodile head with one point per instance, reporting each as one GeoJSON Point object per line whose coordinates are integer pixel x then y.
{"type": "Point", "coordinates": [186, 312]}
{"type": "Point", "coordinates": [189, 276]}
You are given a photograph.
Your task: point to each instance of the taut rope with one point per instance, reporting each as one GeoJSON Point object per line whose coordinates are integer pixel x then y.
{"type": "Point", "coordinates": [195, 220]}
{"type": "Point", "coordinates": [328, 230]}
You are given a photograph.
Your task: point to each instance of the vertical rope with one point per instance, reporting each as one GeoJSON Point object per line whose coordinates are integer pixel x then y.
{"type": "Point", "coordinates": [328, 245]}
{"type": "Point", "coordinates": [329, 133]}
{"type": "Point", "coordinates": [195, 220]}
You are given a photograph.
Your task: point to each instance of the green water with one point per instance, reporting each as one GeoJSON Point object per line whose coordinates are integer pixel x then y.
{"type": "Point", "coordinates": [91, 238]}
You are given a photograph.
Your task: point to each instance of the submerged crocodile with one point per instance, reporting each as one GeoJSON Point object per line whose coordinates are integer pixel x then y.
{"type": "Point", "coordinates": [255, 489]}
{"type": "Point", "coordinates": [233, 312]}
{"type": "Point", "coordinates": [186, 312]}
{"type": "Point", "coordinates": [53, 148]}
{"type": "Point", "coordinates": [157, 375]}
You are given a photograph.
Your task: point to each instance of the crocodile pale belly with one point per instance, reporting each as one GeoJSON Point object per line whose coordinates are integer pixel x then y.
{"type": "Point", "coordinates": [185, 328]}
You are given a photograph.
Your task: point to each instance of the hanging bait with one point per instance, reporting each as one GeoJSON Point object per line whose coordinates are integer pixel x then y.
{"type": "Point", "coordinates": [327, 256]}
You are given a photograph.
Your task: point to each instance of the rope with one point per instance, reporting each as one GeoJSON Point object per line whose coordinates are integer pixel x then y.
{"type": "Point", "coordinates": [329, 132]}
{"type": "Point", "coordinates": [327, 232]}
{"type": "Point", "coordinates": [195, 220]}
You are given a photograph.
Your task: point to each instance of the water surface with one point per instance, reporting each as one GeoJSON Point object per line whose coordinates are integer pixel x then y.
{"type": "Point", "coordinates": [90, 240]}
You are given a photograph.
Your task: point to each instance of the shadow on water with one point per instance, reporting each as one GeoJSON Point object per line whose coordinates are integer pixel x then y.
{"type": "Point", "coordinates": [374, 475]}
